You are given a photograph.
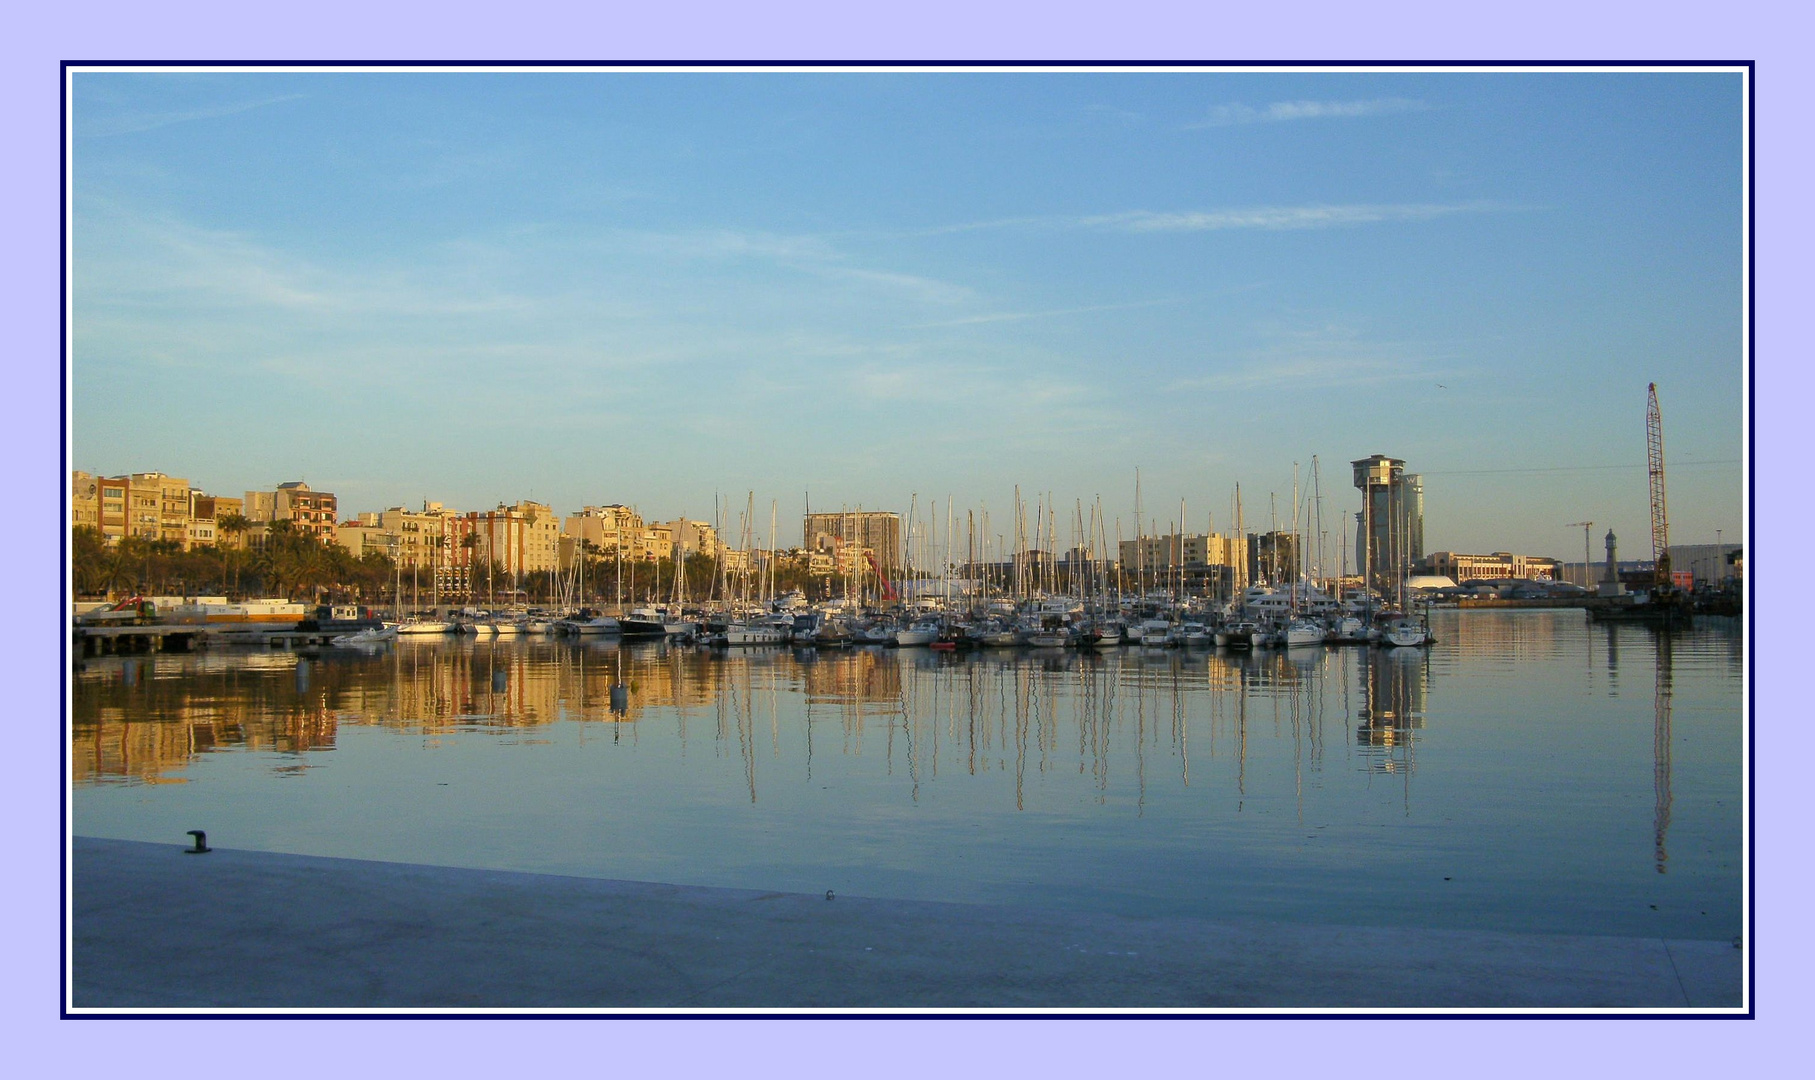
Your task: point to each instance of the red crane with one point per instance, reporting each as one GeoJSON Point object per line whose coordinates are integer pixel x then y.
{"type": "Point", "coordinates": [1660, 520]}
{"type": "Point", "coordinates": [888, 591]}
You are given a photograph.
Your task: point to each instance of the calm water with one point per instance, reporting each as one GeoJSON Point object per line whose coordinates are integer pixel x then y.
{"type": "Point", "coordinates": [1532, 771]}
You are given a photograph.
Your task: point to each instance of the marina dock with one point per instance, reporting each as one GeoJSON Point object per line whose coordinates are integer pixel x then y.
{"type": "Point", "coordinates": [154, 927]}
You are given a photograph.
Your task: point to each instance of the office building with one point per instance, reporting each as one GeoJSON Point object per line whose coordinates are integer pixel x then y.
{"type": "Point", "coordinates": [1389, 533]}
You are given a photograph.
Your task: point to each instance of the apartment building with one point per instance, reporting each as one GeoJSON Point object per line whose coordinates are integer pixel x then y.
{"type": "Point", "coordinates": [606, 528]}
{"type": "Point", "coordinates": [311, 511]}
{"type": "Point", "coordinates": [85, 501]}
{"type": "Point", "coordinates": [877, 531]}
{"type": "Point", "coordinates": [521, 539]}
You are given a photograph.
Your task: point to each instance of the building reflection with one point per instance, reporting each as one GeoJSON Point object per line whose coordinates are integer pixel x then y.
{"type": "Point", "coordinates": [1394, 686]}
{"type": "Point", "coordinates": [1125, 716]}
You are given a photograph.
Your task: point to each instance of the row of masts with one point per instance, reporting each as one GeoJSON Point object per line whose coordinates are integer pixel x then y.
{"type": "Point", "coordinates": [1021, 562]}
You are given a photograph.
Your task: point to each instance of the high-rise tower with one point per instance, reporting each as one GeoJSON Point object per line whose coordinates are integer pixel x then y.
{"type": "Point", "coordinates": [1390, 537]}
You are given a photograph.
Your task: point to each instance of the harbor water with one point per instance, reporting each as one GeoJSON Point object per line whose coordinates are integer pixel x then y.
{"type": "Point", "coordinates": [1530, 771]}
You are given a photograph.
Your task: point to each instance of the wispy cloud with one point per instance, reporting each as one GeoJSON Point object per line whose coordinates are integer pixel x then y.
{"type": "Point", "coordinates": [131, 122]}
{"type": "Point", "coordinates": [1019, 316]}
{"type": "Point", "coordinates": [1314, 216]}
{"type": "Point", "coordinates": [1278, 111]}
{"type": "Point", "coordinates": [1333, 357]}
{"type": "Point", "coordinates": [1282, 217]}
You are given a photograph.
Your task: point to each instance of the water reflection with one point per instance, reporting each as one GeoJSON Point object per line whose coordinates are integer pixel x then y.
{"type": "Point", "coordinates": [1027, 714]}
{"type": "Point", "coordinates": [1336, 783]}
{"type": "Point", "coordinates": [1660, 746]}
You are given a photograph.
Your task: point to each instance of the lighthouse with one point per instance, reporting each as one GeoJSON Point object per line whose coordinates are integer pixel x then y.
{"type": "Point", "coordinates": [1610, 578]}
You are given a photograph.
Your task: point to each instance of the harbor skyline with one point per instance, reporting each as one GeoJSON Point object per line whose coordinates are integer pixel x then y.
{"type": "Point", "coordinates": [871, 288]}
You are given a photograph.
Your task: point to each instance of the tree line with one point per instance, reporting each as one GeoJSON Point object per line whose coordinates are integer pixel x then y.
{"type": "Point", "coordinates": [295, 564]}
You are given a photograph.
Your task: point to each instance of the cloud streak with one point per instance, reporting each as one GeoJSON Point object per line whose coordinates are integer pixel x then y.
{"type": "Point", "coordinates": [1313, 216]}
{"type": "Point", "coordinates": [1020, 316]}
{"type": "Point", "coordinates": [130, 123]}
{"type": "Point", "coordinates": [1280, 111]}
{"type": "Point", "coordinates": [1281, 217]}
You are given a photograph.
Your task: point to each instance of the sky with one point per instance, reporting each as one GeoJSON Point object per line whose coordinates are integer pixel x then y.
{"type": "Point", "coordinates": [888, 289]}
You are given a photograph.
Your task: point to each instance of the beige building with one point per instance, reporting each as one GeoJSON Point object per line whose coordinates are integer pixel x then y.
{"type": "Point", "coordinates": [214, 507]}
{"type": "Point", "coordinates": [84, 501]}
{"type": "Point", "coordinates": [1175, 551]}
{"type": "Point", "coordinates": [168, 498]}
{"type": "Point", "coordinates": [147, 505]}
{"type": "Point", "coordinates": [518, 540]}
{"type": "Point", "coordinates": [313, 512]}
{"type": "Point", "coordinates": [694, 537]}
{"type": "Point", "coordinates": [605, 528]}
{"type": "Point", "coordinates": [1499, 565]}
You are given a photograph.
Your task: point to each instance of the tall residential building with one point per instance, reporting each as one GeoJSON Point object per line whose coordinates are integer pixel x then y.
{"type": "Point", "coordinates": [878, 531]}
{"type": "Point", "coordinates": [1389, 535]}
{"type": "Point", "coordinates": [313, 512]}
{"type": "Point", "coordinates": [159, 506]}
{"type": "Point", "coordinates": [113, 493]}
{"type": "Point", "coordinates": [517, 540]}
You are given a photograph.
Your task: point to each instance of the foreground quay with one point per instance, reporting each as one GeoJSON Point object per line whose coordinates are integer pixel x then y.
{"type": "Point", "coordinates": [154, 927]}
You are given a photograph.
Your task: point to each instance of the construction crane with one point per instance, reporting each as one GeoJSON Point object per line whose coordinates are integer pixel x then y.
{"type": "Point", "coordinates": [1587, 563]}
{"type": "Point", "coordinates": [888, 590]}
{"type": "Point", "coordinates": [1660, 521]}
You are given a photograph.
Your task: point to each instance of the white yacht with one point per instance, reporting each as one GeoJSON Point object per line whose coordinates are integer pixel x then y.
{"type": "Point", "coordinates": [1406, 632]}
{"type": "Point", "coordinates": [419, 625]}
{"type": "Point", "coordinates": [923, 632]}
{"type": "Point", "coordinates": [756, 632]}
{"type": "Point", "coordinates": [1302, 631]}
{"type": "Point", "coordinates": [1153, 632]}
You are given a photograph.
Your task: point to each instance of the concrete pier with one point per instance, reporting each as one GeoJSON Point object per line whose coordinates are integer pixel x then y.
{"type": "Point", "coordinates": [156, 927]}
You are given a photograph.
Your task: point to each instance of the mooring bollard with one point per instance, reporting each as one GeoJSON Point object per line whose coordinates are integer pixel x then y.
{"type": "Point", "coordinates": [201, 843]}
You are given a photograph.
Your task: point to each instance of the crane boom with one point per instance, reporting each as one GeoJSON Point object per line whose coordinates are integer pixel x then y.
{"type": "Point", "coordinates": [1660, 520]}
{"type": "Point", "coordinates": [888, 590]}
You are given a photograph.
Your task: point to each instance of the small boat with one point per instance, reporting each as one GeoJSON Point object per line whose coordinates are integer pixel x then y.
{"type": "Point", "coordinates": [924, 632]}
{"type": "Point", "coordinates": [752, 633]}
{"type": "Point", "coordinates": [373, 635]}
{"type": "Point", "coordinates": [1237, 635]}
{"type": "Point", "coordinates": [1304, 632]}
{"type": "Point", "coordinates": [1195, 635]}
{"type": "Point", "coordinates": [653, 622]}
{"type": "Point", "coordinates": [585, 623]}
{"type": "Point", "coordinates": [415, 625]}
{"type": "Point", "coordinates": [1154, 633]}
{"type": "Point", "coordinates": [1406, 632]}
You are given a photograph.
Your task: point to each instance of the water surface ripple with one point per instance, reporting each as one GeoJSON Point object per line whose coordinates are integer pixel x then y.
{"type": "Point", "coordinates": [1530, 772]}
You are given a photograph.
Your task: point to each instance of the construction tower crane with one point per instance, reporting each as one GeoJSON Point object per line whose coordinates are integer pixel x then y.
{"type": "Point", "coordinates": [1660, 520]}
{"type": "Point", "coordinates": [1587, 564]}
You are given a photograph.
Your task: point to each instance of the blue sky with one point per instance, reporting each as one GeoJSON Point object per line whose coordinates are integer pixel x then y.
{"type": "Point", "coordinates": [648, 288]}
